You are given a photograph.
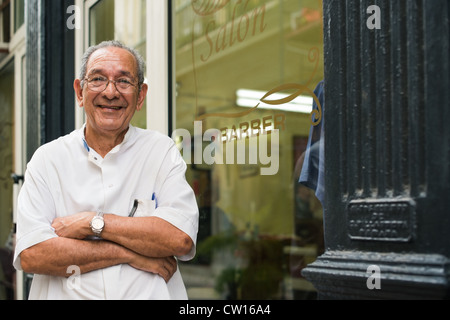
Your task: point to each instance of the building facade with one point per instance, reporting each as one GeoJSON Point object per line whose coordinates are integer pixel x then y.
{"type": "Point", "coordinates": [232, 82]}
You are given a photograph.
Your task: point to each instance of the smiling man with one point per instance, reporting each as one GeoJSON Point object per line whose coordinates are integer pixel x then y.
{"type": "Point", "coordinates": [109, 199]}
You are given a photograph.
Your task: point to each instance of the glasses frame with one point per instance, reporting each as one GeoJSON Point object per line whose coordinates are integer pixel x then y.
{"type": "Point", "coordinates": [88, 81]}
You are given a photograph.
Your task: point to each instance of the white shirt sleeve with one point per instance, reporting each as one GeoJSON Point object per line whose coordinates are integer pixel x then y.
{"type": "Point", "coordinates": [175, 199]}
{"type": "Point", "coordinates": [36, 210]}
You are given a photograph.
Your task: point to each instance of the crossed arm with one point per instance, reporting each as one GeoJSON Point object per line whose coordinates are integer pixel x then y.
{"type": "Point", "coordinates": [147, 244]}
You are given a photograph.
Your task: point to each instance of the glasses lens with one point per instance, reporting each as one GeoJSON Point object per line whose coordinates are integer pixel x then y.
{"type": "Point", "coordinates": [100, 85]}
{"type": "Point", "coordinates": [124, 86]}
{"type": "Point", "coordinates": [97, 84]}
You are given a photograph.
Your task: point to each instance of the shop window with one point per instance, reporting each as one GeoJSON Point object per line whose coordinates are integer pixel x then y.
{"type": "Point", "coordinates": [19, 14]}
{"type": "Point", "coordinates": [122, 20]}
{"type": "Point", "coordinates": [5, 19]}
{"type": "Point", "coordinates": [12, 15]}
{"type": "Point", "coordinates": [245, 73]}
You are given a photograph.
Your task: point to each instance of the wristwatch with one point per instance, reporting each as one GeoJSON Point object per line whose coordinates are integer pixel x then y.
{"type": "Point", "coordinates": [97, 224]}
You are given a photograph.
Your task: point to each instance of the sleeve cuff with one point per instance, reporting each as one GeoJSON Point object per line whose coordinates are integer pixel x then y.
{"type": "Point", "coordinates": [29, 240]}
{"type": "Point", "coordinates": [182, 222]}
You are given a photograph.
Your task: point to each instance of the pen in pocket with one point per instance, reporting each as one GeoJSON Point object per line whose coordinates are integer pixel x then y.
{"type": "Point", "coordinates": [136, 204]}
{"type": "Point", "coordinates": [154, 199]}
{"type": "Point", "coordinates": [133, 210]}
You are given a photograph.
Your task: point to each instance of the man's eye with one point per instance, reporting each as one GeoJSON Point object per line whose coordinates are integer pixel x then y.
{"type": "Point", "coordinates": [98, 79]}
{"type": "Point", "coordinates": [124, 81]}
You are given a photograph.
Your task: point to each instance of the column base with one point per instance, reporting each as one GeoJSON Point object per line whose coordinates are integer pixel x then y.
{"type": "Point", "coordinates": [346, 275]}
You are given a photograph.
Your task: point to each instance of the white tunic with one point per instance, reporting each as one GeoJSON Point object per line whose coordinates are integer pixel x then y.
{"type": "Point", "coordinates": [66, 177]}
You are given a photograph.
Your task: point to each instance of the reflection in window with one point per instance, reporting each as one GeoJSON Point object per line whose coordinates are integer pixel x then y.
{"type": "Point", "coordinates": [257, 231]}
{"type": "Point", "coordinates": [122, 20]}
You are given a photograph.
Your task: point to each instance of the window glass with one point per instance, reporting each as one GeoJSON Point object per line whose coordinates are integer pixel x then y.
{"type": "Point", "coordinates": [122, 20]}
{"type": "Point", "coordinates": [19, 14]}
{"type": "Point", "coordinates": [239, 66]}
{"type": "Point", "coordinates": [5, 19]}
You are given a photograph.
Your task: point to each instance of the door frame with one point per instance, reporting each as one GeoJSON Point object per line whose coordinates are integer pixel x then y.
{"type": "Point", "coordinates": [17, 56]}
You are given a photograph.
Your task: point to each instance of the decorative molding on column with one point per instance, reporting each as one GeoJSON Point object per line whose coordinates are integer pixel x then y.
{"type": "Point", "coordinates": [344, 275]}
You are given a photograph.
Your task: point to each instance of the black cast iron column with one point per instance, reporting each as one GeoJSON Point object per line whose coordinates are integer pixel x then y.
{"type": "Point", "coordinates": [387, 112]}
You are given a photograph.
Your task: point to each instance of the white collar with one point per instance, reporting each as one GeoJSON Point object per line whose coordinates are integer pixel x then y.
{"type": "Point", "coordinates": [126, 139]}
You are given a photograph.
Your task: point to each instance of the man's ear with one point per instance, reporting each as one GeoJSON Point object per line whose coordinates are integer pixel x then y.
{"type": "Point", "coordinates": [141, 97]}
{"type": "Point", "coordinates": [78, 92]}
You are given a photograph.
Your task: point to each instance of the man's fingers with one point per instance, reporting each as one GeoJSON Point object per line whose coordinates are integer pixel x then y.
{"type": "Point", "coordinates": [169, 268]}
{"type": "Point", "coordinates": [164, 267]}
{"type": "Point", "coordinates": [172, 262]}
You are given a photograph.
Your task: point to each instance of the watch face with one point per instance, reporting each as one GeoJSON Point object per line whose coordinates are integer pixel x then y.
{"type": "Point", "coordinates": [98, 224]}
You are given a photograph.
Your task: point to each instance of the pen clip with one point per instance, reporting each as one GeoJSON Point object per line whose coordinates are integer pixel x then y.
{"type": "Point", "coordinates": [135, 206]}
{"type": "Point", "coordinates": [154, 199]}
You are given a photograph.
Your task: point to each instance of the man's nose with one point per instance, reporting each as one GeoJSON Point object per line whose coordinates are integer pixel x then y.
{"type": "Point", "coordinates": [111, 91]}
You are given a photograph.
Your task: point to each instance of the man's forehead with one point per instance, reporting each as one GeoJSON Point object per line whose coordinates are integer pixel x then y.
{"type": "Point", "coordinates": [115, 56]}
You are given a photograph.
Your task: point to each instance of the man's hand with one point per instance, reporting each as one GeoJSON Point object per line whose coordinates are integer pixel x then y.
{"type": "Point", "coordinates": [74, 227]}
{"type": "Point", "coordinates": [164, 267]}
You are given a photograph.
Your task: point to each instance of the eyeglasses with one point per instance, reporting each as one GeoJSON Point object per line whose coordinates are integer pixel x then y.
{"type": "Point", "coordinates": [99, 84]}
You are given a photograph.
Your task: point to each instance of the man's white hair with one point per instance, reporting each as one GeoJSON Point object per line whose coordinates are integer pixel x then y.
{"type": "Point", "coordinates": [117, 44]}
